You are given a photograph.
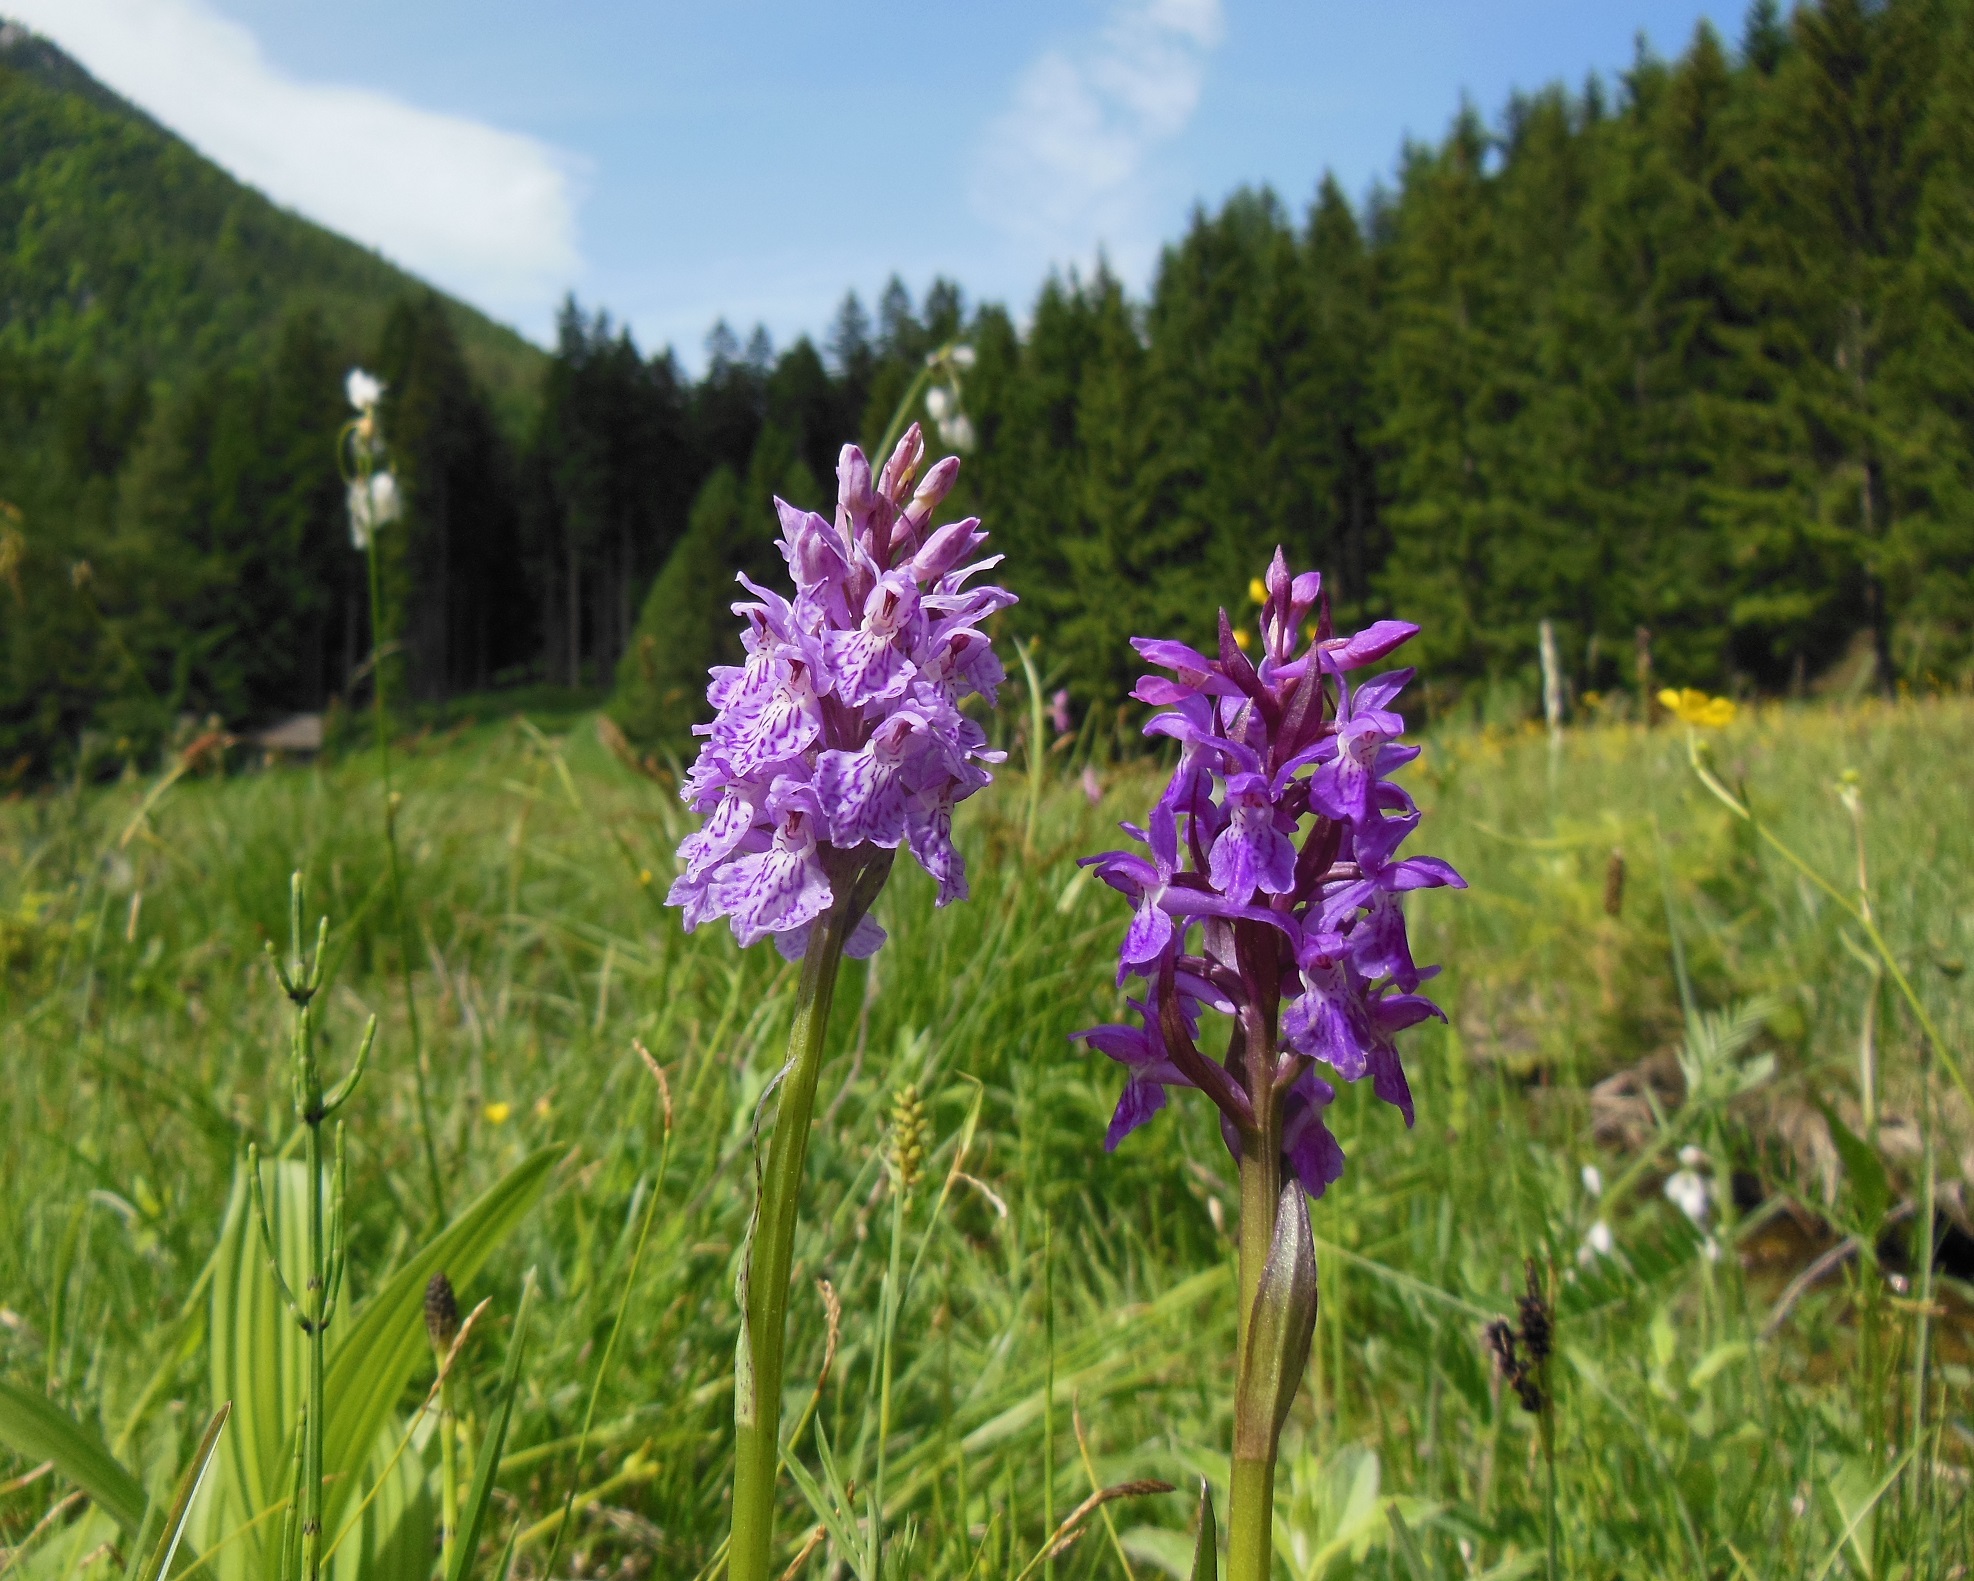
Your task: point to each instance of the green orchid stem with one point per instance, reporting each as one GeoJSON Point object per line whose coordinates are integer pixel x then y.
{"type": "Point", "coordinates": [758, 1358]}
{"type": "Point", "coordinates": [1251, 1506]}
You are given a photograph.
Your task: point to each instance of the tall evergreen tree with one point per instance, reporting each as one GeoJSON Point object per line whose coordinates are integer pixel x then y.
{"type": "Point", "coordinates": [454, 589]}
{"type": "Point", "coordinates": [685, 627]}
{"type": "Point", "coordinates": [1447, 379]}
{"type": "Point", "coordinates": [614, 466]}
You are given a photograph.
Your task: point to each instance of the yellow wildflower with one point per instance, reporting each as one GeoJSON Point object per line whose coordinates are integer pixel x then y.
{"type": "Point", "coordinates": [1256, 593]}
{"type": "Point", "coordinates": [1697, 708]}
{"type": "Point", "coordinates": [497, 1113]}
{"type": "Point", "coordinates": [1243, 639]}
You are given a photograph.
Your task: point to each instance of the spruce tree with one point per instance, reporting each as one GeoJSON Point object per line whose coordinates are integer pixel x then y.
{"type": "Point", "coordinates": [686, 624]}
{"type": "Point", "coordinates": [1443, 386]}
{"type": "Point", "coordinates": [453, 587]}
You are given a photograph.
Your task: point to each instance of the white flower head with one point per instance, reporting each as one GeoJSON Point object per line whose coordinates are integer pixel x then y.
{"type": "Point", "coordinates": [386, 504]}
{"type": "Point", "coordinates": [1688, 1192]}
{"type": "Point", "coordinates": [1597, 1243]}
{"type": "Point", "coordinates": [365, 390]}
{"type": "Point", "coordinates": [957, 431]}
{"type": "Point", "coordinates": [371, 505]}
{"type": "Point", "coordinates": [1593, 1180]}
{"type": "Point", "coordinates": [939, 402]}
{"type": "Point", "coordinates": [360, 516]}
{"type": "Point", "coordinates": [962, 356]}
{"type": "Point", "coordinates": [1693, 1157]}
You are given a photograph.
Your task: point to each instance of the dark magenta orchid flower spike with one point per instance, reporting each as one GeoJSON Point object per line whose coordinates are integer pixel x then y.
{"type": "Point", "coordinates": [1269, 890]}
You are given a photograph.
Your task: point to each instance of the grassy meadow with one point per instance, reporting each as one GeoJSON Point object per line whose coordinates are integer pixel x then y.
{"type": "Point", "coordinates": [1070, 1324]}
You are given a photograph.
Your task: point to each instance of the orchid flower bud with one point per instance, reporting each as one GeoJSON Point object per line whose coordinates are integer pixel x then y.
{"type": "Point", "coordinates": [935, 487]}
{"type": "Point", "coordinates": [903, 467]}
{"type": "Point", "coordinates": [1289, 599]}
{"type": "Point", "coordinates": [946, 548]}
{"type": "Point", "coordinates": [853, 492]}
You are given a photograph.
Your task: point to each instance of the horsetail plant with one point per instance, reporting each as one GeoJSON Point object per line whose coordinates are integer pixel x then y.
{"type": "Point", "coordinates": [327, 1249]}
{"type": "Point", "coordinates": [837, 742]}
{"type": "Point", "coordinates": [1302, 947]}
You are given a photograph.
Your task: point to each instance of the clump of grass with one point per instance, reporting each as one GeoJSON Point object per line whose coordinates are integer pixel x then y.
{"type": "Point", "coordinates": [1056, 1295]}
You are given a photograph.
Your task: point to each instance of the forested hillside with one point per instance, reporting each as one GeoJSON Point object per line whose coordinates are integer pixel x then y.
{"type": "Point", "coordinates": [171, 362]}
{"type": "Point", "coordinates": [1688, 352]}
{"type": "Point", "coordinates": [125, 246]}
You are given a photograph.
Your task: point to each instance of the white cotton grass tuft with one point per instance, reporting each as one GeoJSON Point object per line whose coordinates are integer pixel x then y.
{"type": "Point", "coordinates": [1593, 1180]}
{"type": "Point", "coordinates": [364, 389]}
{"type": "Point", "coordinates": [372, 504]}
{"type": "Point", "coordinates": [1597, 1242]}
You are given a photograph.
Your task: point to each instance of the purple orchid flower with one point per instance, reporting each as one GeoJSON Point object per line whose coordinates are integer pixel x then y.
{"type": "Point", "coordinates": [1272, 888]}
{"type": "Point", "coordinates": [840, 738]}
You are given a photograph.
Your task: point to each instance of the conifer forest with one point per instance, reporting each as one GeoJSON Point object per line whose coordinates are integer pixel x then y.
{"type": "Point", "coordinates": [1690, 351]}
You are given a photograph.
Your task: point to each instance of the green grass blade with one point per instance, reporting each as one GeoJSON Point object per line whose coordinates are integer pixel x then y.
{"type": "Point", "coordinates": [1407, 1544]}
{"type": "Point", "coordinates": [37, 1430]}
{"type": "Point", "coordinates": [836, 1519]}
{"type": "Point", "coordinates": [158, 1564]}
{"type": "Point", "coordinates": [144, 1542]}
{"type": "Point", "coordinates": [381, 1350]}
{"type": "Point", "coordinates": [487, 1468]}
{"type": "Point", "coordinates": [1206, 1552]}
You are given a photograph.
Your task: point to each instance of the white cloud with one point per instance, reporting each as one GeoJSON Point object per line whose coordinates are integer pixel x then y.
{"type": "Point", "coordinates": [485, 213]}
{"type": "Point", "coordinates": [1065, 164]}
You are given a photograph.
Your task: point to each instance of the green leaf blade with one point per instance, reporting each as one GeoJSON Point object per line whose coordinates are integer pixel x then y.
{"type": "Point", "coordinates": [37, 1429]}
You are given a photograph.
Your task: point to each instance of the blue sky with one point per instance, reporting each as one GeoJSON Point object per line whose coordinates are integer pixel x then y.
{"type": "Point", "coordinates": [757, 158]}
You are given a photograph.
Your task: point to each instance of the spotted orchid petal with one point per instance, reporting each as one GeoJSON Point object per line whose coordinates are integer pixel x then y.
{"type": "Point", "coordinates": [840, 733]}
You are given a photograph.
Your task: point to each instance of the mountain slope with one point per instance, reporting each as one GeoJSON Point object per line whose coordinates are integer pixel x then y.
{"type": "Point", "coordinates": [122, 246]}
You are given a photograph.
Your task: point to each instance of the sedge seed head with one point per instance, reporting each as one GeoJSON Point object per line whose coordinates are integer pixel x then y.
{"type": "Point", "coordinates": [441, 1313]}
{"type": "Point", "coordinates": [909, 1134]}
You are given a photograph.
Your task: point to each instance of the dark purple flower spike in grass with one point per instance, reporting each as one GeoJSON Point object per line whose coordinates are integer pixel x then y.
{"type": "Point", "coordinates": [1269, 892]}
{"type": "Point", "coordinates": [837, 743]}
